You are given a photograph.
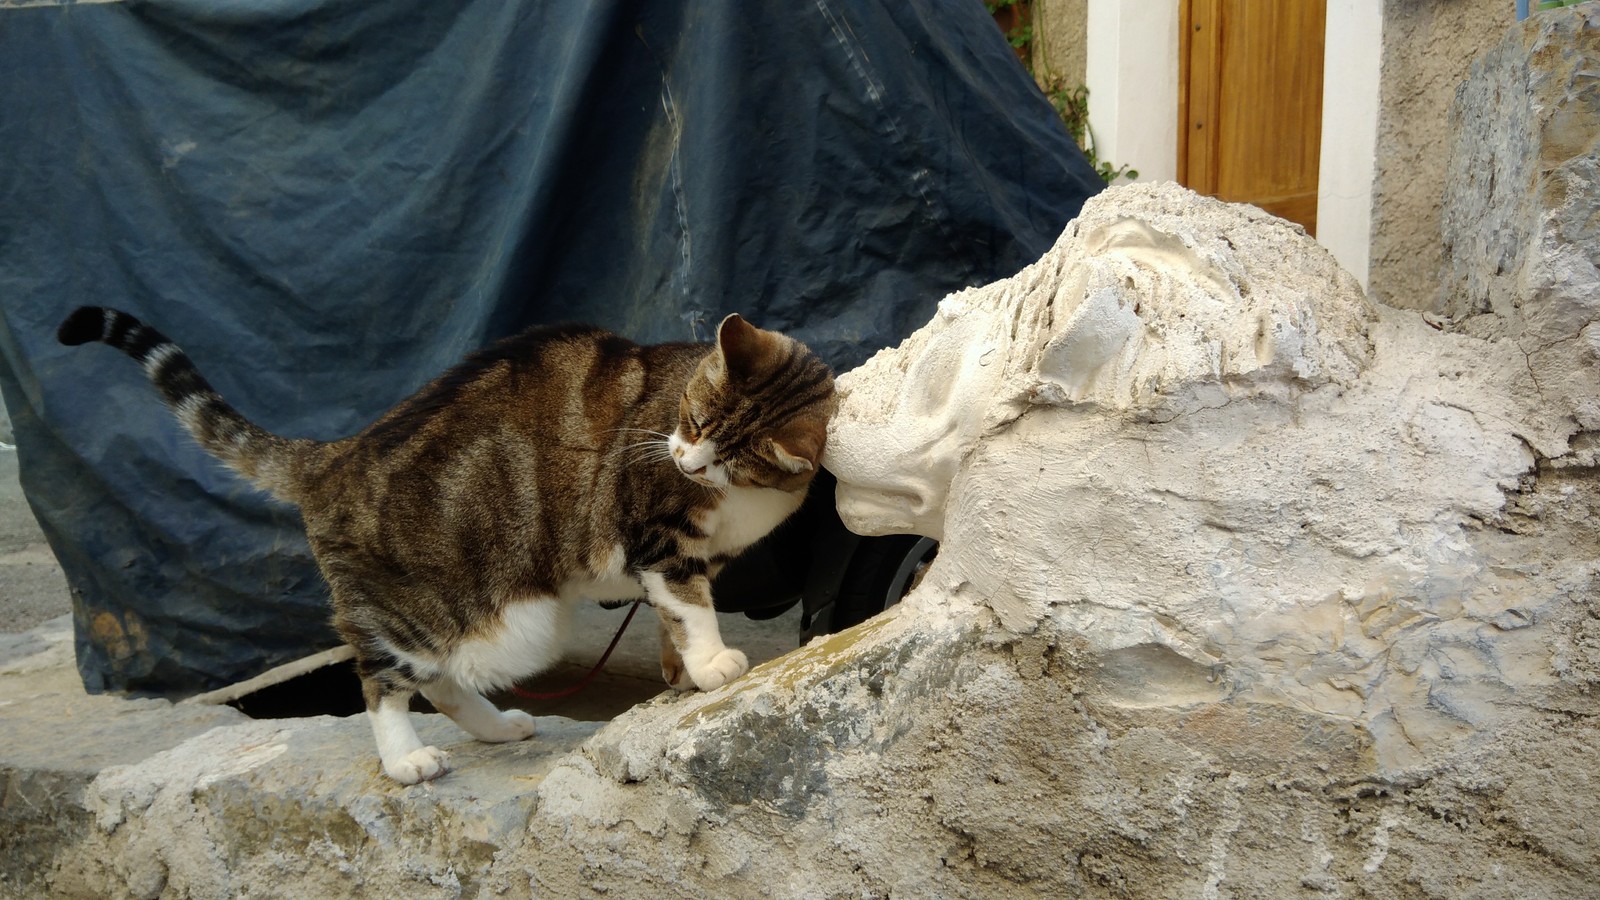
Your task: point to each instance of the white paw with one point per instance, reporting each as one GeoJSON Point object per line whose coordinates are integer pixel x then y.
{"type": "Point", "coordinates": [424, 764]}
{"type": "Point", "coordinates": [512, 725]}
{"type": "Point", "coordinates": [721, 668]}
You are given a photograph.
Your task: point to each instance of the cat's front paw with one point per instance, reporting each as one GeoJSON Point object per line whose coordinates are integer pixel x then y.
{"type": "Point", "coordinates": [723, 667]}
{"type": "Point", "coordinates": [423, 764]}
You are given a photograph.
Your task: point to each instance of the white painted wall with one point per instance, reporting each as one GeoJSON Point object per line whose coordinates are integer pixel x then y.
{"type": "Point", "coordinates": [1352, 58]}
{"type": "Point", "coordinates": [1132, 75]}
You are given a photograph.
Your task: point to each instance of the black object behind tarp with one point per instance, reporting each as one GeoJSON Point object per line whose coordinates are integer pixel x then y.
{"type": "Point", "coordinates": [327, 202]}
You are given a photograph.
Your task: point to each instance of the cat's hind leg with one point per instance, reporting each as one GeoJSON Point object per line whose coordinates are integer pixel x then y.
{"type": "Point", "coordinates": [405, 758]}
{"type": "Point", "coordinates": [387, 686]}
{"type": "Point", "coordinates": [390, 675]}
{"type": "Point", "coordinates": [476, 715]}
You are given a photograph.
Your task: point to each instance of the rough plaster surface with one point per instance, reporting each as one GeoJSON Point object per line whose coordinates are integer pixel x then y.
{"type": "Point", "coordinates": [1061, 42]}
{"type": "Point", "coordinates": [1428, 48]}
{"type": "Point", "coordinates": [1522, 221]}
{"type": "Point", "coordinates": [1242, 483]}
{"type": "Point", "coordinates": [1248, 588]}
{"type": "Point", "coordinates": [51, 749]}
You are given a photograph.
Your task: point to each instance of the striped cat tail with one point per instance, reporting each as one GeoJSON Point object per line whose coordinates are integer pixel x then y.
{"type": "Point", "coordinates": [270, 461]}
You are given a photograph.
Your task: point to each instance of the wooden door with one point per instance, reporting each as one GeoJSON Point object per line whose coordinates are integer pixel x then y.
{"type": "Point", "coordinates": [1250, 102]}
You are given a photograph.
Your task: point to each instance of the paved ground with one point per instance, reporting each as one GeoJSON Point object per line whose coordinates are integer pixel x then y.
{"type": "Point", "coordinates": [32, 588]}
{"type": "Point", "coordinates": [33, 591]}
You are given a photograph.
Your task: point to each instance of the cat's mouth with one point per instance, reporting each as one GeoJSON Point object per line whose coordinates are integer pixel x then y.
{"type": "Point", "coordinates": [703, 478]}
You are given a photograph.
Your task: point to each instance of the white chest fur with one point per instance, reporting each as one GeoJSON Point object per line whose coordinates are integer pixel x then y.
{"type": "Point", "coordinates": [746, 515]}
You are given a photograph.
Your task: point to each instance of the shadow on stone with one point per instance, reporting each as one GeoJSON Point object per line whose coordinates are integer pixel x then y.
{"type": "Point", "coordinates": [329, 691]}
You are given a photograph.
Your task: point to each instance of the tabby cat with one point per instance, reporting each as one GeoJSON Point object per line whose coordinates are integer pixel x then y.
{"type": "Point", "coordinates": [562, 463]}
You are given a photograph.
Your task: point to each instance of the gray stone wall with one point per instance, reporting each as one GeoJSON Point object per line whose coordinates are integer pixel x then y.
{"type": "Point", "coordinates": [1521, 220]}
{"type": "Point", "coordinates": [1428, 50]}
{"type": "Point", "coordinates": [1522, 214]}
{"type": "Point", "coordinates": [1061, 41]}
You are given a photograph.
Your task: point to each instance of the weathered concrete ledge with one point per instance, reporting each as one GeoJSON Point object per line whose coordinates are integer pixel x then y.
{"type": "Point", "coordinates": [111, 797]}
{"type": "Point", "coordinates": [55, 739]}
{"type": "Point", "coordinates": [883, 761]}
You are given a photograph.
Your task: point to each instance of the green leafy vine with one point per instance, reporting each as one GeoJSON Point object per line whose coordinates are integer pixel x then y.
{"type": "Point", "coordinates": [1072, 105]}
{"type": "Point", "coordinates": [1071, 102]}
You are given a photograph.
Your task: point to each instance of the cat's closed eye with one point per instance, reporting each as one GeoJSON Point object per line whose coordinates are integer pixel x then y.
{"type": "Point", "coordinates": [693, 418]}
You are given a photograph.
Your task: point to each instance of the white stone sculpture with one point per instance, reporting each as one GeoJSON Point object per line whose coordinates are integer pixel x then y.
{"type": "Point", "coordinates": [1184, 436]}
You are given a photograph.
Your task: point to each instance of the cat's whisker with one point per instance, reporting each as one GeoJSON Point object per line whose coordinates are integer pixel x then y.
{"type": "Point", "coordinates": [644, 451]}
{"type": "Point", "coordinates": [660, 434]}
{"type": "Point", "coordinates": [646, 461]}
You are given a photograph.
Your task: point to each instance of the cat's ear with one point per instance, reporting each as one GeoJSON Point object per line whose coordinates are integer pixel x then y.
{"type": "Point", "coordinates": [743, 346]}
{"type": "Point", "coordinates": [798, 449]}
{"type": "Point", "coordinates": [788, 461]}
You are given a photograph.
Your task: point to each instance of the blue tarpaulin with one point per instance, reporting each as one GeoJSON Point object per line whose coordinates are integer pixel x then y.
{"type": "Point", "coordinates": [328, 202]}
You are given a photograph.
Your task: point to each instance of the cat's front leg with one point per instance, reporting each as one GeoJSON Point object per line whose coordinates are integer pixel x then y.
{"type": "Point", "coordinates": [684, 608]}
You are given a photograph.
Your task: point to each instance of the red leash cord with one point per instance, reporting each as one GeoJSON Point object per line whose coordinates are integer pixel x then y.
{"type": "Point", "coordinates": [584, 682]}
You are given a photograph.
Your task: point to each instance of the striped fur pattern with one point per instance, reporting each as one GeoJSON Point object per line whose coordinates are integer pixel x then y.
{"type": "Point", "coordinates": [560, 465]}
{"type": "Point", "coordinates": [264, 458]}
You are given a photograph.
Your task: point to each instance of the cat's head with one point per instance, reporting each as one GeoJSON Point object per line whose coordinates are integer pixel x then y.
{"type": "Point", "coordinates": [755, 412]}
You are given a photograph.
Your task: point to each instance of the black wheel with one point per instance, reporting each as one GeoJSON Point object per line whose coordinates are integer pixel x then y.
{"type": "Point", "coordinates": [882, 571]}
